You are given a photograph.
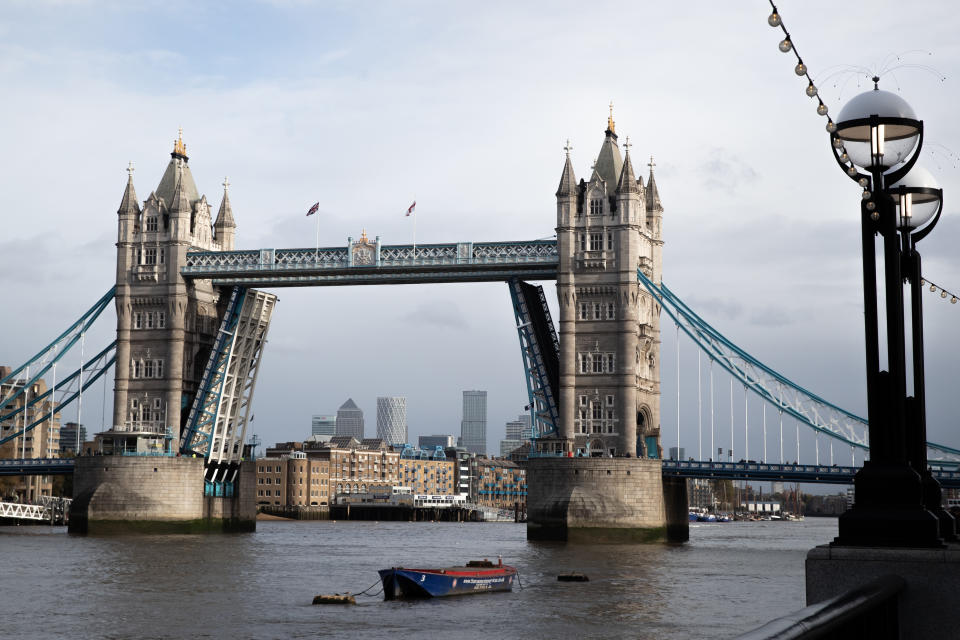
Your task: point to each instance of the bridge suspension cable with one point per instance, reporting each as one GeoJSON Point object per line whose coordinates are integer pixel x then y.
{"type": "Point", "coordinates": [806, 407]}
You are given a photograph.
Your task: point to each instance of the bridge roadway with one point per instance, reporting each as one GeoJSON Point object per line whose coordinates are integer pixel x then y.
{"type": "Point", "coordinates": [373, 263]}
{"type": "Point", "coordinates": [949, 476]}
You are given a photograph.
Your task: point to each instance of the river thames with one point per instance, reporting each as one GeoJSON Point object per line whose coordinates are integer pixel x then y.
{"type": "Point", "coordinates": [730, 577]}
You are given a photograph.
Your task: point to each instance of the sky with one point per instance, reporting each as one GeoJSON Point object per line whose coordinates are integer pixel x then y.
{"type": "Point", "coordinates": [466, 107]}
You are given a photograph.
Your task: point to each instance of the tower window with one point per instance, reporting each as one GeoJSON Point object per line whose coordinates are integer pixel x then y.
{"type": "Point", "coordinates": [596, 311]}
{"type": "Point", "coordinates": [148, 369]}
{"type": "Point", "coordinates": [610, 358]}
{"type": "Point", "coordinates": [138, 320]}
{"type": "Point", "coordinates": [596, 242]}
{"type": "Point", "coordinates": [584, 311]}
{"type": "Point", "coordinates": [161, 320]}
{"type": "Point", "coordinates": [597, 363]}
{"type": "Point", "coordinates": [596, 206]}
{"type": "Point", "coordinates": [152, 223]}
{"type": "Point", "coordinates": [583, 241]}
{"type": "Point", "coordinates": [163, 256]}
{"type": "Point", "coordinates": [149, 256]}
{"type": "Point", "coordinates": [149, 319]}
{"type": "Point", "coordinates": [158, 366]}
{"type": "Point", "coordinates": [609, 241]}
{"type": "Point", "coordinates": [609, 401]}
{"type": "Point", "coordinates": [136, 368]}
{"type": "Point", "coordinates": [611, 311]}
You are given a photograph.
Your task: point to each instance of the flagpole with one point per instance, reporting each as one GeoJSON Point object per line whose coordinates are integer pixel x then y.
{"type": "Point", "coordinates": [316, 251]}
{"type": "Point", "coordinates": [414, 229]}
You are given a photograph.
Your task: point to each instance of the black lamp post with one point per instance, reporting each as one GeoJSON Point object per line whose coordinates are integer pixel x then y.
{"type": "Point", "coordinates": [876, 140]}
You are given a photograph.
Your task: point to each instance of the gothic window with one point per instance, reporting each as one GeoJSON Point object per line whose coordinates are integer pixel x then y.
{"type": "Point", "coordinates": [152, 223]}
{"type": "Point", "coordinates": [597, 363]}
{"type": "Point", "coordinates": [149, 320]}
{"type": "Point", "coordinates": [138, 320]}
{"type": "Point", "coordinates": [148, 369]}
{"type": "Point", "coordinates": [609, 401]}
{"type": "Point", "coordinates": [158, 366]}
{"type": "Point", "coordinates": [149, 256]}
{"type": "Point", "coordinates": [583, 241]}
{"type": "Point", "coordinates": [596, 311]}
{"type": "Point", "coordinates": [609, 241]}
{"type": "Point", "coordinates": [136, 369]}
{"type": "Point", "coordinates": [161, 320]}
{"type": "Point", "coordinates": [583, 401]}
{"type": "Point", "coordinates": [596, 242]}
{"type": "Point", "coordinates": [611, 311]}
{"type": "Point", "coordinates": [163, 256]}
{"type": "Point", "coordinates": [157, 406]}
{"type": "Point", "coordinates": [596, 206]}
{"type": "Point", "coordinates": [583, 358]}
{"type": "Point", "coordinates": [584, 311]}
{"type": "Point", "coordinates": [610, 358]}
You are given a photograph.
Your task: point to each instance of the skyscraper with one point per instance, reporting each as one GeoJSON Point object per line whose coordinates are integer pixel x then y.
{"type": "Point", "coordinates": [392, 420]}
{"type": "Point", "coordinates": [323, 426]}
{"type": "Point", "coordinates": [350, 420]}
{"type": "Point", "coordinates": [431, 442]}
{"type": "Point", "coordinates": [473, 427]}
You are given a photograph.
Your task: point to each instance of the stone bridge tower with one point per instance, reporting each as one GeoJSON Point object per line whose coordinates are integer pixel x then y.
{"type": "Point", "coordinates": [607, 228]}
{"type": "Point", "coordinates": [165, 324]}
{"type": "Point", "coordinates": [608, 481]}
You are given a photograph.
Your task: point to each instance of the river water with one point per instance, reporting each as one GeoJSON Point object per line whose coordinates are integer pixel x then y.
{"type": "Point", "coordinates": [730, 577]}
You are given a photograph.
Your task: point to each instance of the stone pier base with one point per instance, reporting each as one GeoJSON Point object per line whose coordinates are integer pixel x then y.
{"type": "Point", "coordinates": [928, 604]}
{"type": "Point", "coordinates": [597, 500]}
{"type": "Point", "coordinates": [120, 494]}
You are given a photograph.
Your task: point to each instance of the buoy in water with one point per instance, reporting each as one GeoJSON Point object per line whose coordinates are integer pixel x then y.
{"type": "Point", "coordinates": [336, 598]}
{"type": "Point", "coordinates": [572, 577]}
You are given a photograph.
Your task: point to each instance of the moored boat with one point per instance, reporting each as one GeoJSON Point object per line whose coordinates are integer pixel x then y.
{"type": "Point", "coordinates": [478, 576]}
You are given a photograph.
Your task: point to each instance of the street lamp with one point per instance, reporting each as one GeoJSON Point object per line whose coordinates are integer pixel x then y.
{"type": "Point", "coordinates": [876, 140]}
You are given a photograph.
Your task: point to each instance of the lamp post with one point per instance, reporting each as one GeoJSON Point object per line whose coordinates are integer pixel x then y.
{"type": "Point", "coordinates": [876, 140]}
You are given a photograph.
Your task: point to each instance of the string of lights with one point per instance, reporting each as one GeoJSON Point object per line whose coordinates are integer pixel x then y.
{"type": "Point", "coordinates": [786, 46]}
{"type": "Point", "coordinates": [934, 288]}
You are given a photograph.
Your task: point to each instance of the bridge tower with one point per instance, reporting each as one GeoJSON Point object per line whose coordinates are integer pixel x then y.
{"type": "Point", "coordinates": [165, 324]}
{"type": "Point", "coordinates": [607, 480]}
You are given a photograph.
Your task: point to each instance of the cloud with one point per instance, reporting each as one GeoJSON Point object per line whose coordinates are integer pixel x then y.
{"type": "Point", "coordinates": [724, 171]}
{"type": "Point", "coordinates": [439, 314]}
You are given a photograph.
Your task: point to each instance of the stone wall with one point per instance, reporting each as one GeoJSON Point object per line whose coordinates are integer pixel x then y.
{"type": "Point", "coordinates": [119, 494]}
{"type": "Point", "coordinates": [595, 498]}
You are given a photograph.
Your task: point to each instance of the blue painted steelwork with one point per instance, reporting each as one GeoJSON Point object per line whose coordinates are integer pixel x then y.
{"type": "Point", "coordinates": [41, 363]}
{"type": "Point", "coordinates": [394, 264]}
{"type": "Point", "coordinates": [94, 368]}
{"type": "Point", "coordinates": [36, 466]}
{"type": "Point", "coordinates": [538, 345]}
{"type": "Point", "coordinates": [785, 395]}
{"type": "Point", "coordinates": [201, 423]}
{"type": "Point", "coordinates": [948, 477]}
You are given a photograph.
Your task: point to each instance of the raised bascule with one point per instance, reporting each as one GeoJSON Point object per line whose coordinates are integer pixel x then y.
{"type": "Point", "coordinates": [191, 332]}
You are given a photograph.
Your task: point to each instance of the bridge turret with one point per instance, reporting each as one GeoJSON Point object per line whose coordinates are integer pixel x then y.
{"type": "Point", "coordinates": [225, 226]}
{"type": "Point", "coordinates": [609, 330]}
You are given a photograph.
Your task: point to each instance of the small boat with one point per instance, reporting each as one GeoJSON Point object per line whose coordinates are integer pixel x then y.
{"type": "Point", "coordinates": [478, 576]}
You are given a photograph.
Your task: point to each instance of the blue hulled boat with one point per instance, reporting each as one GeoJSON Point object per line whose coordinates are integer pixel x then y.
{"type": "Point", "coordinates": [478, 576]}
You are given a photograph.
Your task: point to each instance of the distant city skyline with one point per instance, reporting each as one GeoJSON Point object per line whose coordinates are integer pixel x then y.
{"type": "Point", "coordinates": [473, 426]}
{"type": "Point", "coordinates": [392, 419]}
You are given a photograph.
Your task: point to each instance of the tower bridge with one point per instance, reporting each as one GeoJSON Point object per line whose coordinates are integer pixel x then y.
{"type": "Point", "coordinates": [192, 325]}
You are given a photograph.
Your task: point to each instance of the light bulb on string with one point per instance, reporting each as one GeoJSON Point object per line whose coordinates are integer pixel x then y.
{"type": "Point", "coordinates": [933, 288]}
{"type": "Point", "coordinates": [774, 19]}
{"type": "Point", "coordinates": [943, 294]}
{"type": "Point", "coordinates": [865, 195]}
{"type": "Point", "coordinates": [800, 69]}
{"type": "Point", "coordinates": [852, 172]}
{"type": "Point", "coordinates": [831, 126]}
{"type": "Point", "coordinates": [786, 45]}
{"type": "Point", "coordinates": [837, 143]}
{"type": "Point", "coordinates": [953, 300]}
{"type": "Point", "coordinates": [923, 282]}
{"type": "Point", "coordinates": [822, 109]}
{"type": "Point", "coordinates": [871, 206]}
{"type": "Point", "coordinates": [811, 89]}
{"type": "Point", "coordinates": [863, 182]}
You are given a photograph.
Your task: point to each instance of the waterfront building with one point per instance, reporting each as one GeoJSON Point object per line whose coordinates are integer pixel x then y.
{"type": "Point", "coordinates": [312, 474]}
{"type": "Point", "coordinates": [434, 441]}
{"type": "Point", "coordinates": [323, 425]}
{"type": "Point", "coordinates": [678, 453]}
{"type": "Point", "coordinates": [392, 419]}
{"type": "Point", "coordinates": [503, 484]}
{"type": "Point", "coordinates": [473, 427]}
{"type": "Point", "coordinates": [466, 480]}
{"type": "Point", "coordinates": [350, 420]}
{"type": "Point", "coordinates": [425, 472]}
{"type": "Point", "coordinates": [700, 493]}
{"type": "Point", "coordinates": [43, 441]}
{"type": "Point", "coordinates": [518, 433]}
{"type": "Point", "coordinates": [69, 438]}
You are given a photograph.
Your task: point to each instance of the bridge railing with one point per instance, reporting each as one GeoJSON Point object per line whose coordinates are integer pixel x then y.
{"type": "Point", "coordinates": [336, 258]}
{"type": "Point", "coordinates": [869, 611]}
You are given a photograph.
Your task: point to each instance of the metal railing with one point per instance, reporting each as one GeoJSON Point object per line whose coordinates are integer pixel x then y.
{"type": "Point", "coordinates": [867, 612]}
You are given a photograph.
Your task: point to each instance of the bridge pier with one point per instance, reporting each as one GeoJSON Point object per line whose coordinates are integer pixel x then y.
{"type": "Point", "coordinates": [603, 500]}
{"type": "Point", "coordinates": [156, 494]}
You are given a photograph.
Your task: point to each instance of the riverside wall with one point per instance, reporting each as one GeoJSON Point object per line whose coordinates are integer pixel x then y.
{"type": "Point", "coordinates": [120, 494]}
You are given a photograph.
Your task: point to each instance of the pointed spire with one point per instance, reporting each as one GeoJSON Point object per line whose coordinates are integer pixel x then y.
{"type": "Point", "coordinates": [181, 199]}
{"type": "Point", "coordinates": [179, 148]}
{"type": "Point", "coordinates": [628, 181]}
{"type": "Point", "coordinates": [128, 205]}
{"type": "Point", "coordinates": [225, 216]}
{"type": "Point", "coordinates": [568, 181]}
{"type": "Point", "coordinates": [653, 196]}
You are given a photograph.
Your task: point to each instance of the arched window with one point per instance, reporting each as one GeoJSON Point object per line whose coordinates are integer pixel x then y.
{"type": "Point", "coordinates": [596, 206]}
